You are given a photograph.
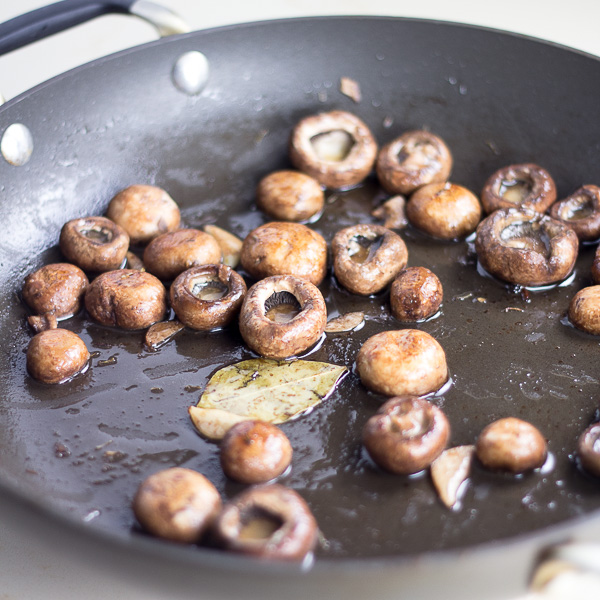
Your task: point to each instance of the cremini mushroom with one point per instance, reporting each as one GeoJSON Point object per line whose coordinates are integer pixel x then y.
{"type": "Point", "coordinates": [282, 316]}
{"type": "Point", "coordinates": [416, 294]}
{"type": "Point", "coordinates": [588, 449]}
{"type": "Point", "coordinates": [584, 309]}
{"type": "Point", "coordinates": [580, 210]}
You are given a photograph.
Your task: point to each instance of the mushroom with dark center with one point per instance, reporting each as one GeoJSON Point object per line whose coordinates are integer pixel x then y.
{"type": "Point", "coordinates": [276, 334]}
{"type": "Point", "coordinates": [416, 294]}
{"type": "Point", "coordinates": [588, 449]}
{"type": "Point", "coordinates": [366, 258]}
{"type": "Point", "coordinates": [406, 435]}
{"type": "Point", "coordinates": [512, 445]}
{"type": "Point", "coordinates": [580, 210]}
{"type": "Point", "coordinates": [207, 297]}
{"type": "Point", "coordinates": [525, 248]}
{"type": "Point", "coordinates": [126, 298]}
{"type": "Point", "coordinates": [177, 504]}
{"type": "Point", "coordinates": [56, 356]}
{"type": "Point", "coordinates": [526, 185]}
{"type": "Point", "coordinates": [414, 159]}
{"type": "Point", "coordinates": [584, 310]}
{"type": "Point", "coordinates": [336, 148]}
{"type": "Point", "coordinates": [94, 243]}
{"type": "Point", "coordinates": [282, 248]}
{"type": "Point", "coordinates": [267, 521]}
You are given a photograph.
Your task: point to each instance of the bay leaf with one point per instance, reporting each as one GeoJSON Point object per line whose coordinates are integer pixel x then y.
{"type": "Point", "coordinates": [270, 390]}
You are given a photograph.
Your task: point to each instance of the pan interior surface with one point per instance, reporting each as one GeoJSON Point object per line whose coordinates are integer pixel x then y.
{"type": "Point", "coordinates": [83, 447]}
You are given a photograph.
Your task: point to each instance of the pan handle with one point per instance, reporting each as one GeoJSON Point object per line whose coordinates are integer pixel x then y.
{"type": "Point", "coordinates": [47, 21]}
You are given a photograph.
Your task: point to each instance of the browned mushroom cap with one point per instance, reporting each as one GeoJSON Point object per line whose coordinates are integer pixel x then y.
{"type": "Point", "coordinates": [282, 316]}
{"type": "Point", "coordinates": [412, 160]}
{"type": "Point", "coordinates": [596, 266]}
{"type": "Point", "coordinates": [525, 248]}
{"type": "Point", "coordinates": [367, 257]}
{"type": "Point", "coordinates": [580, 210]}
{"type": "Point", "coordinates": [588, 449]}
{"type": "Point", "coordinates": [416, 294]}
{"type": "Point", "coordinates": [56, 355]}
{"type": "Point", "coordinates": [336, 148]}
{"type": "Point", "coordinates": [290, 196]}
{"type": "Point", "coordinates": [57, 288]}
{"type": "Point", "coordinates": [285, 249]}
{"type": "Point", "coordinates": [207, 297]}
{"type": "Point", "coordinates": [444, 210]}
{"type": "Point", "coordinates": [512, 445]}
{"type": "Point", "coordinates": [177, 504]}
{"type": "Point", "coordinates": [171, 253]}
{"type": "Point", "coordinates": [255, 452]}
{"type": "Point", "coordinates": [268, 521]}
{"type": "Point", "coordinates": [94, 243]}
{"type": "Point", "coordinates": [408, 362]}
{"type": "Point", "coordinates": [528, 186]}
{"type": "Point", "coordinates": [144, 211]}
{"type": "Point", "coordinates": [584, 310]}
{"type": "Point", "coordinates": [406, 435]}
{"type": "Point", "coordinates": [126, 298]}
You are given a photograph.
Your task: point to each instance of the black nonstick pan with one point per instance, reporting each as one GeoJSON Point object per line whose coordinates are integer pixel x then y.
{"type": "Point", "coordinates": [76, 452]}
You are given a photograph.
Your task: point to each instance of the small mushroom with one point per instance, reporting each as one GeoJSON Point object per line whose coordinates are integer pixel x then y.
{"type": "Point", "coordinates": [290, 196]}
{"type": "Point", "coordinates": [416, 294]}
{"type": "Point", "coordinates": [231, 245]}
{"type": "Point", "coordinates": [366, 258]}
{"type": "Point", "coordinates": [407, 362]}
{"type": "Point", "coordinates": [511, 445]}
{"type": "Point", "coordinates": [406, 435]}
{"type": "Point", "coordinates": [282, 316]}
{"type": "Point", "coordinates": [392, 212]}
{"type": "Point", "coordinates": [57, 288]}
{"type": "Point", "coordinates": [336, 148]}
{"type": "Point", "coordinates": [525, 248]}
{"type": "Point", "coordinates": [527, 186]}
{"type": "Point", "coordinates": [126, 298]}
{"type": "Point", "coordinates": [281, 248]}
{"type": "Point", "coordinates": [94, 243]}
{"type": "Point", "coordinates": [584, 310]}
{"type": "Point", "coordinates": [177, 504]}
{"type": "Point", "coordinates": [588, 449]}
{"type": "Point", "coordinates": [268, 521]}
{"type": "Point", "coordinates": [171, 253]}
{"type": "Point", "coordinates": [56, 356]}
{"type": "Point", "coordinates": [207, 297]}
{"type": "Point", "coordinates": [144, 211]}
{"type": "Point", "coordinates": [444, 210]}
{"type": "Point", "coordinates": [255, 452]}
{"type": "Point", "coordinates": [580, 210]}
{"type": "Point", "coordinates": [42, 322]}
{"type": "Point", "coordinates": [412, 160]}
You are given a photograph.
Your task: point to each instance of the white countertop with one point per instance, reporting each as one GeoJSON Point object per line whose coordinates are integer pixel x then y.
{"type": "Point", "coordinates": [32, 566]}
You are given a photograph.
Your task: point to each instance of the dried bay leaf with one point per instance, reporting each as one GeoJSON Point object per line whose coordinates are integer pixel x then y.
{"type": "Point", "coordinates": [270, 390]}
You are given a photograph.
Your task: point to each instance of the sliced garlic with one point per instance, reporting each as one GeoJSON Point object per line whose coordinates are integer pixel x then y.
{"type": "Point", "coordinates": [347, 322]}
{"type": "Point", "coordinates": [161, 333]}
{"type": "Point", "coordinates": [392, 213]}
{"type": "Point", "coordinates": [231, 245]}
{"type": "Point", "coordinates": [450, 470]}
{"type": "Point", "coordinates": [213, 423]}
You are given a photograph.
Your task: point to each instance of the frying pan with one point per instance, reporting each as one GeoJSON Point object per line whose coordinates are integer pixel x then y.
{"type": "Point", "coordinates": [121, 121]}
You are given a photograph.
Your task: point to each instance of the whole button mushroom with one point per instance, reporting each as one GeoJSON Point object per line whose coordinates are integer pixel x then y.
{"type": "Point", "coordinates": [335, 148]}
{"type": "Point", "coordinates": [580, 210]}
{"type": "Point", "coordinates": [525, 248]}
{"type": "Point", "coordinates": [588, 449]}
{"type": "Point", "coordinates": [527, 186]}
{"type": "Point", "coordinates": [207, 297]}
{"type": "Point", "coordinates": [268, 521]}
{"type": "Point", "coordinates": [282, 316]}
{"type": "Point", "coordinates": [416, 294]}
{"type": "Point", "coordinates": [406, 435]}
{"type": "Point", "coordinates": [56, 289]}
{"type": "Point", "coordinates": [255, 452]}
{"type": "Point", "coordinates": [94, 243]}
{"type": "Point", "coordinates": [290, 196]}
{"type": "Point", "coordinates": [144, 211]}
{"type": "Point", "coordinates": [281, 248]}
{"type": "Point", "coordinates": [407, 362]}
{"type": "Point", "coordinates": [367, 257]}
{"type": "Point", "coordinates": [584, 310]}
{"type": "Point", "coordinates": [177, 504]}
{"type": "Point", "coordinates": [171, 253]}
{"type": "Point", "coordinates": [512, 445]}
{"type": "Point", "coordinates": [444, 210]}
{"type": "Point", "coordinates": [56, 356]}
{"type": "Point", "coordinates": [127, 299]}
{"type": "Point", "coordinates": [414, 159]}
